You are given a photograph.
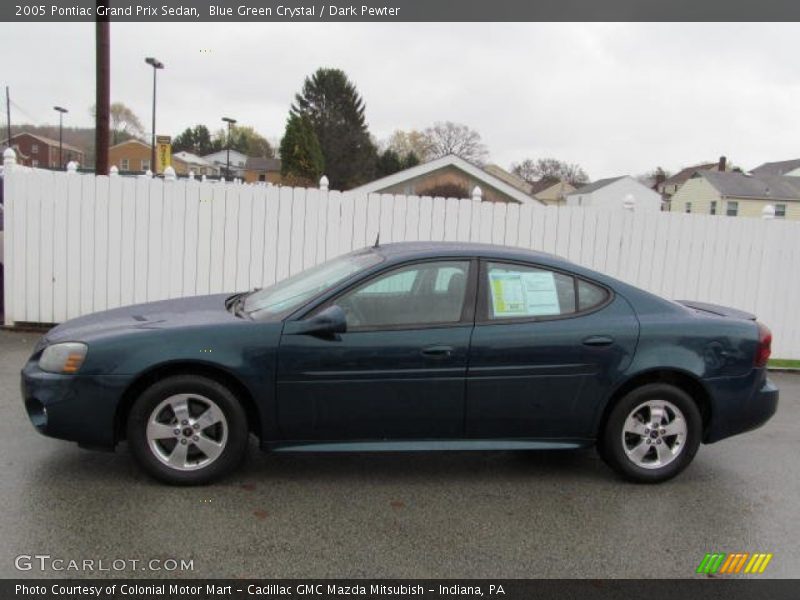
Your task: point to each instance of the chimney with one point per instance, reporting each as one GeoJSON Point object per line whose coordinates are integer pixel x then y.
{"type": "Point", "coordinates": [661, 177]}
{"type": "Point", "coordinates": [722, 164]}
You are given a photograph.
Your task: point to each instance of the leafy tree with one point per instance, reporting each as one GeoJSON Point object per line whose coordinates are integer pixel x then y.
{"type": "Point", "coordinates": [244, 139]}
{"type": "Point", "coordinates": [411, 142]}
{"type": "Point", "coordinates": [550, 168]}
{"type": "Point", "coordinates": [410, 160]}
{"type": "Point", "coordinates": [335, 109]}
{"type": "Point", "coordinates": [301, 156]}
{"type": "Point", "coordinates": [196, 140]}
{"type": "Point", "coordinates": [446, 137]}
{"type": "Point", "coordinates": [123, 123]}
{"type": "Point", "coordinates": [388, 162]}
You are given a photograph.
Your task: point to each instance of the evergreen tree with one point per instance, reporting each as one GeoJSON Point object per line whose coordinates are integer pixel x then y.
{"type": "Point", "coordinates": [388, 162]}
{"type": "Point", "coordinates": [301, 156]}
{"type": "Point", "coordinates": [333, 106]}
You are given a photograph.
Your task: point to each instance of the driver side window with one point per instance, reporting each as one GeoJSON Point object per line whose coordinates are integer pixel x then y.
{"type": "Point", "coordinates": [426, 293]}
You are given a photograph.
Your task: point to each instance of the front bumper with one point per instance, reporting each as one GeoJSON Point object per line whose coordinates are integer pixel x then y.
{"type": "Point", "coordinates": [78, 408]}
{"type": "Point", "coordinates": [740, 404]}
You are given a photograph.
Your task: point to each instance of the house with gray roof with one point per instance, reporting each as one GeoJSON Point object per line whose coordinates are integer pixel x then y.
{"type": "Point", "coordinates": [616, 193]}
{"type": "Point", "coordinates": [789, 168]}
{"type": "Point", "coordinates": [737, 194]}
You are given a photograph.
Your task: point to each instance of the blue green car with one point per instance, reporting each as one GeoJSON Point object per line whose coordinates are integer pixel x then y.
{"type": "Point", "coordinates": [407, 347]}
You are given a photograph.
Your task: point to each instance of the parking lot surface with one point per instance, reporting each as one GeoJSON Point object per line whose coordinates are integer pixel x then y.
{"type": "Point", "coordinates": [460, 515]}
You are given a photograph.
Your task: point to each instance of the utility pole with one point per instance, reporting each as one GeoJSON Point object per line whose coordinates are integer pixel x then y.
{"type": "Point", "coordinates": [61, 110]}
{"type": "Point", "coordinates": [230, 123]}
{"type": "Point", "coordinates": [102, 96]}
{"type": "Point", "coordinates": [8, 116]}
{"type": "Point", "coordinates": [156, 64]}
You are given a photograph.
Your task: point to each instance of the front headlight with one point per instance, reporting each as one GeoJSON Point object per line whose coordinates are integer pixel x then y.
{"type": "Point", "coordinates": [63, 358]}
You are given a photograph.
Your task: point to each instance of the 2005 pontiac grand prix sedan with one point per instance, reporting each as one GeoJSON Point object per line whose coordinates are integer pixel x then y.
{"type": "Point", "coordinates": [412, 346]}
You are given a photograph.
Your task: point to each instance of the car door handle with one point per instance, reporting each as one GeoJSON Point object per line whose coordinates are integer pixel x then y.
{"type": "Point", "coordinates": [437, 351]}
{"type": "Point", "coordinates": [598, 340]}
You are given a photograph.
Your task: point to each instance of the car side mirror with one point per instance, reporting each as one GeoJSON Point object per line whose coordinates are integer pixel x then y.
{"type": "Point", "coordinates": [329, 322]}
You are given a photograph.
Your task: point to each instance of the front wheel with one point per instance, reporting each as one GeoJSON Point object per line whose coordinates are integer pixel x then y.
{"type": "Point", "coordinates": [187, 430]}
{"type": "Point", "coordinates": [652, 434]}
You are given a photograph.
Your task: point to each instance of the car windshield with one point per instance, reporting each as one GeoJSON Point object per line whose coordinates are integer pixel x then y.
{"type": "Point", "coordinates": [293, 292]}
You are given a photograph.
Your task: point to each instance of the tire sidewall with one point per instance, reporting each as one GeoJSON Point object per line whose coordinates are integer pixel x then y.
{"type": "Point", "coordinates": [187, 384]}
{"type": "Point", "coordinates": [611, 446]}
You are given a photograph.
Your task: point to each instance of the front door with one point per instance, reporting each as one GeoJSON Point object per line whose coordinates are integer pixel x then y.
{"type": "Point", "coordinates": [546, 350]}
{"type": "Point", "coordinates": [399, 370]}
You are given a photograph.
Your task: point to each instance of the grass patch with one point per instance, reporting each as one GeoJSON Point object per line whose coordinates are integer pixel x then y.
{"type": "Point", "coordinates": [784, 363]}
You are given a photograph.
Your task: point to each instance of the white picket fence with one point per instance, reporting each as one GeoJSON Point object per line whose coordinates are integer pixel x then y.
{"type": "Point", "coordinates": [75, 244]}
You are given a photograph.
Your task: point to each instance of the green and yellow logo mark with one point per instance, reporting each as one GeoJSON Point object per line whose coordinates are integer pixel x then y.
{"type": "Point", "coordinates": [720, 563]}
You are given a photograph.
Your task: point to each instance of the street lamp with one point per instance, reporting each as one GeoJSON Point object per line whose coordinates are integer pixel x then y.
{"type": "Point", "coordinates": [61, 110]}
{"type": "Point", "coordinates": [156, 64]}
{"type": "Point", "coordinates": [230, 122]}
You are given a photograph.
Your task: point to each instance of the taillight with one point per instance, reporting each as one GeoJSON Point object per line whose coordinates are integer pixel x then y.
{"type": "Point", "coordinates": [764, 345]}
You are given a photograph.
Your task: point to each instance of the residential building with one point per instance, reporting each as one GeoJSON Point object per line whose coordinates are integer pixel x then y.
{"type": "Point", "coordinates": [669, 186]}
{"type": "Point", "coordinates": [552, 191]}
{"type": "Point", "coordinates": [265, 170]}
{"type": "Point", "coordinates": [130, 156]}
{"type": "Point", "coordinates": [739, 195]}
{"type": "Point", "coordinates": [238, 162]}
{"type": "Point", "coordinates": [547, 190]}
{"type": "Point", "coordinates": [789, 168]}
{"type": "Point", "coordinates": [616, 193]}
{"type": "Point", "coordinates": [449, 176]}
{"type": "Point", "coordinates": [185, 162]}
{"type": "Point", "coordinates": [34, 150]}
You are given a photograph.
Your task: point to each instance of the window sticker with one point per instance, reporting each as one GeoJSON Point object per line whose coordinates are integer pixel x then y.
{"type": "Point", "coordinates": [529, 294]}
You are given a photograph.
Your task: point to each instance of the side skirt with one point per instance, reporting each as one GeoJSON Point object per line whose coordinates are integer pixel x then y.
{"type": "Point", "coordinates": [425, 445]}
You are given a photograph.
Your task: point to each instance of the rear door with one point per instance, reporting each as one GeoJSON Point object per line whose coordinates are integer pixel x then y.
{"type": "Point", "coordinates": [398, 372]}
{"type": "Point", "coordinates": [546, 350]}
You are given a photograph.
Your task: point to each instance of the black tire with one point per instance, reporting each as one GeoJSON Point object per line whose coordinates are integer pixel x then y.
{"type": "Point", "coordinates": [612, 446]}
{"type": "Point", "coordinates": [233, 442]}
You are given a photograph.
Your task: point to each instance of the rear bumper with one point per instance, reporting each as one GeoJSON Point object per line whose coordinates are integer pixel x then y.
{"type": "Point", "coordinates": [740, 404]}
{"type": "Point", "coordinates": [72, 407]}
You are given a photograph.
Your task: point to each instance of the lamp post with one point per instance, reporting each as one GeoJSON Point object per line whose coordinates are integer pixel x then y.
{"type": "Point", "coordinates": [231, 123]}
{"type": "Point", "coordinates": [156, 64]}
{"type": "Point", "coordinates": [61, 110]}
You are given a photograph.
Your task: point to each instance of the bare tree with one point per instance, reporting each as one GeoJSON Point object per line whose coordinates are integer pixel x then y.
{"type": "Point", "coordinates": [550, 168]}
{"type": "Point", "coordinates": [454, 138]}
{"type": "Point", "coordinates": [124, 123]}
{"type": "Point", "coordinates": [408, 142]}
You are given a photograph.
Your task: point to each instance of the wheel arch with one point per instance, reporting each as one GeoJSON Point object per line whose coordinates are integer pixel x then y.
{"type": "Point", "coordinates": [683, 380]}
{"type": "Point", "coordinates": [202, 369]}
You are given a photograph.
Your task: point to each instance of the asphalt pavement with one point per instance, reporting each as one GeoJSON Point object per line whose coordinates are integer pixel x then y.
{"type": "Point", "coordinates": [459, 515]}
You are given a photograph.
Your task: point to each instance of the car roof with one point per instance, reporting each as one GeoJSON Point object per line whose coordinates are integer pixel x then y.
{"type": "Point", "coordinates": [404, 250]}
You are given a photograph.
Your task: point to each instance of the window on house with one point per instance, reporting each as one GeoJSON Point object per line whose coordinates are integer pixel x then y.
{"type": "Point", "coordinates": [34, 148]}
{"type": "Point", "coordinates": [732, 209]}
{"type": "Point", "coordinates": [780, 211]}
{"type": "Point", "coordinates": [124, 164]}
{"type": "Point", "coordinates": [712, 210]}
{"type": "Point", "coordinates": [34, 163]}
{"type": "Point", "coordinates": [145, 164]}
{"type": "Point", "coordinates": [688, 207]}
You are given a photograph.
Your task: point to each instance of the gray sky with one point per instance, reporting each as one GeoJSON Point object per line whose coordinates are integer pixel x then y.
{"type": "Point", "coordinates": [615, 98]}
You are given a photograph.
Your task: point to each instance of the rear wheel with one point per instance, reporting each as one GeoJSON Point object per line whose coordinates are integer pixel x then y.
{"type": "Point", "coordinates": [652, 434]}
{"type": "Point", "coordinates": [187, 430]}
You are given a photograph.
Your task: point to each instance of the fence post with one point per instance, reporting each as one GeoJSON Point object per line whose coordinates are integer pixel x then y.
{"type": "Point", "coordinates": [323, 183]}
{"type": "Point", "coordinates": [9, 159]}
{"type": "Point", "coordinates": [768, 212]}
{"type": "Point", "coordinates": [169, 174]}
{"type": "Point", "coordinates": [72, 167]}
{"type": "Point", "coordinates": [113, 171]}
{"type": "Point", "coordinates": [477, 194]}
{"type": "Point", "coordinates": [629, 202]}
{"type": "Point", "coordinates": [191, 174]}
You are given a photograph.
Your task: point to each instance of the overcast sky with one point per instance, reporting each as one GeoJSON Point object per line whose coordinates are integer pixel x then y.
{"type": "Point", "coordinates": [615, 98]}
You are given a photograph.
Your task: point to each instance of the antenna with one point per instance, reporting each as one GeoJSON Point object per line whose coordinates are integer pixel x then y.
{"type": "Point", "coordinates": [377, 240]}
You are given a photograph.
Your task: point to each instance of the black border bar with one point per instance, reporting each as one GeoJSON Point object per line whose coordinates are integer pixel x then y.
{"type": "Point", "coordinates": [255, 11]}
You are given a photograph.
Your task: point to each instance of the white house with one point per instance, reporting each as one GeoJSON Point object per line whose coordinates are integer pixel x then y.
{"type": "Point", "coordinates": [220, 160]}
{"type": "Point", "coordinates": [616, 193]}
{"type": "Point", "coordinates": [197, 164]}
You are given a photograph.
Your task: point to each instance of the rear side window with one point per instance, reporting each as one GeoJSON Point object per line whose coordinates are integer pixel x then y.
{"type": "Point", "coordinates": [517, 291]}
{"type": "Point", "coordinates": [590, 295]}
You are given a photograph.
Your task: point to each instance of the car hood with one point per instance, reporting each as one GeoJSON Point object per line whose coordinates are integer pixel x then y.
{"type": "Point", "coordinates": [164, 314]}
